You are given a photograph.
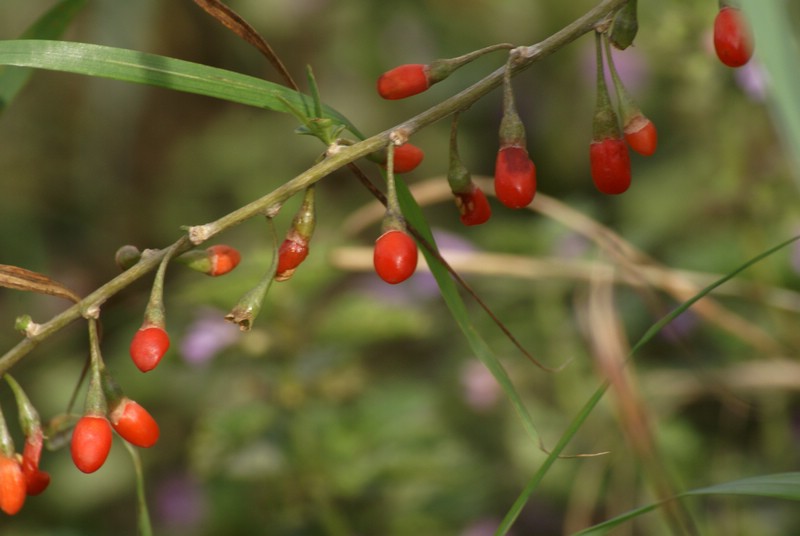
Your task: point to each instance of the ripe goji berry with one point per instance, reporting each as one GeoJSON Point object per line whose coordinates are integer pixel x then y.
{"type": "Point", "coordinates": [641, 135]}
{"type": "Point", "coordinates": [290, 255]}
{"type": "Point", "coordinates": [91, 442]}
{"type": "Point", "coordinates": [36, 480]}
{"type": "Point", "coordinates": [473, 206]}
{"type": "Point", "coordinates": [733, 40]}
{"type": "Point", "coordinates": [223, 259]}
{"type": "Point", "coordinates": [134, 424]}
{"type": "Point", "coordinates": [12, 485]}
{"type": "Point", "coordinates": [407, 157]}
{"type": "Point", "coordinates": [611, 165]}
{"type": "Point", "coordinates": [514, 177]}
{"type": "Point", "coordinates": [395, 256]}
{"type": "Point", "coordinates": [148, 347]}
{"type": "Point", "coordinates": [404, 81]}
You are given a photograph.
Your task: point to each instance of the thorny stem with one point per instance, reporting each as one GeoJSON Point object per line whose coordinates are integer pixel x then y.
{"type": "Point", "coordinates": [523, 58]}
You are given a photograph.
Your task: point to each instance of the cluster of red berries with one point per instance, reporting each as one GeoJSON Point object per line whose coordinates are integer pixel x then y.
{"type": "Point", "coordinates": [614, 130]}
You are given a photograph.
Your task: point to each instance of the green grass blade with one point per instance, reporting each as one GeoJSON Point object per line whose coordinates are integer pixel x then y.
{"type": "Point", "coordinates": [151, 69]}
{"type": "Point", "coordinates": [452, 298]}
{"type": "Point", "coordinates": [579, 419]}
{"type": "Point", "coordinates": [777, 486]}
{"type": "Point", "coordinates": [51, 25]}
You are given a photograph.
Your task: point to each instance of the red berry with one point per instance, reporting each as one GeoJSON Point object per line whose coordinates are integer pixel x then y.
{"type": "Point", "coordinates": [223, 259]}
{"type": "Point", "coordinates": [148, 347]}
{"type": "Point", "coordinates": [403, 81]}
{"type": "Point", "coordinates": [290, 255]}
{"type": "Point", "coordinates": [733, 39]}
{"type": "Point", "coordinates": [12, 485]}
{"type": "Point", "coordinates": [395, 256]}
{"type": "Point", "coordinates": [611, 165]}
{"type": "Point", "coordinates": [134, 423]}
{"type": "Point", "coordinates": [514, 177]}
{"type": "Point", "coordinates": [407, 157]}
{"type": "Point", "coordinates": [473, 206]}
{"type": "Point", "coordinates": [36, 481]}
{"type": "Point", "coordinates": [91, 442]}
{"type": "Point", "coordinates": [641, 135]}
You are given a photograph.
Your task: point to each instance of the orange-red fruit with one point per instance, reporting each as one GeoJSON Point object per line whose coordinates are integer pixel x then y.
{"type": "Point", "coordinates": [403, 81]}
{"type": "Point", "coordinates": [134, 424]}
{"type": "Point", "coordinates": [514, 177]}
{"type": "Point", "coordinates": [36, 481]}
{"type": "Point", "coordinates": [407, 157]}
{"type": "Point", "coordinates": [12, 485]}
{"type": "Point", "coordinates": [290, 255]}
{"type": "Point", "coordinates": [641, 135]}
{"type": "Point", "coordinates": [148, 347]}
{"type": "Point", "coordinates": [223, 259]}
{"type": "Point", "coordinates": [91, 442]}
{"type": "Point", "coordinates": [611, 165]}
{"type": "Point", "coordinates": [733, 40]}
{"type": "Point", "coordinates": [473, 206]}
{"type": "Point", "coordinates": [395, 256]}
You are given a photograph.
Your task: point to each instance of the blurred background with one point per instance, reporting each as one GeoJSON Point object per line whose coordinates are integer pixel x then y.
{"type": "Point", "coordinates": [354, 407]}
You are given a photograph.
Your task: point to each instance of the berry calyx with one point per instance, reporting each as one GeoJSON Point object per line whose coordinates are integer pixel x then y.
{"type": "Point", "coordinates": [407, 157]}
{"type": "Point", "coordinates": [223, 259]}
{"type": "Point", "coordinates": [91, 443]}
{"type": "Point", "coordinates": [395, 256]}
{"type": "Point", "coordinates": [12, 485]}
{"type": "Point", "coordinates": [611, 165]}
{"type": "Point", "coordinates": [514, 177]}
{"type": "Point", "coordinates": [404, 81]}
{"type": "Point", "coordinates": [148, 347]}
{"type": "Point", "coordinates": [641, 135]}
{"type": "Point", "coordinates": [733, 40]}
{"type": "Point", "coordinates": [134, 424]}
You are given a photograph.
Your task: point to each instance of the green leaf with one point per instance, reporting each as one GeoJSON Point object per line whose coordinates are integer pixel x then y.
{"type": "Point", "coordinates": [452, 298]}
{"type": "Point", "coordinates": [590, 404]}
{"type": "Point", "coordinates": [151, 69]}
{"type": "Point", "coordinates": [49, 26]}
{"type": "Point", "coordinates": [778, 486]}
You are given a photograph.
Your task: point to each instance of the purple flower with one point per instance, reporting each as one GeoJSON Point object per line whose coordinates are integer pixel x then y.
{"type": "Point", "coordinates": [208, 335]}
{"type": "Point", "coordinates": [181, 502]}
{"type": "Point", "coordinates": [481, 390]}
{"type": "Point", "coordinates": [753, 80]}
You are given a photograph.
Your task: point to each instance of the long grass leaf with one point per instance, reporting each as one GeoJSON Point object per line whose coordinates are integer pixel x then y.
{"type": "Point", "coordinates": [160, 71]}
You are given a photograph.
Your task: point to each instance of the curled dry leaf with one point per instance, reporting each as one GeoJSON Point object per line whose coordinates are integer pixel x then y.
{"type": "Point", "coordinates": [28, 281]}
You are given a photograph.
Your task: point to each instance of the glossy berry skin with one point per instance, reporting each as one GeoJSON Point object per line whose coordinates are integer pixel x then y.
{"type": "Point", "coordinates": [641, 135]}
{"type": "Point", "coordinates": [514, 177]}
{"type": "Point", "coordinates": [91, 443]}
{"type": "Point", "coordinates": [611, 165]}
{"type": "Point", "coordinates": [223, 259]}
{"type": "Point", "coordinates": [290, 255]}
{"type": "Point", "coordinates": [733, 40]}
{"type": "Point", "coordinates": [403, 81]}
{"type": "Point", "coordinates": [12, 485]}
{"type": "Point", "coordinates": [36, 480]}
{"type": "Point", "coordinates": [407, 157]}
{"type": "Point", "coordinates": [395, 256]}
{"type": "Point", "coordinates": [148, 347]}
{"type": "Point", "coordinates": [134, 424]}
{"type": "Point", "coordinates": [473, 206]}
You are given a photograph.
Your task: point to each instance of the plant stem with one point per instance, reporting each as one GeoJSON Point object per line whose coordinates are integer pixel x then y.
{"type": "Point", "coordinates": [337, 157]}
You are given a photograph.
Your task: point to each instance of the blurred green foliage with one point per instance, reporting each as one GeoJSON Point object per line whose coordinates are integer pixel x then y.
{"type": "Point", "coordinates": [355, 408]}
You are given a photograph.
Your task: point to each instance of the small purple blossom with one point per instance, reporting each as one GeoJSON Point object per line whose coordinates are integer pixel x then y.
{"type": "Point", "coordinates": [181, 503]}
{"type": "Point", "coordinates": [481, 390]}
{"type": "Point", "coordinates": [753, 80]}
{"type": "Point", "coordinates": [209, 334]}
